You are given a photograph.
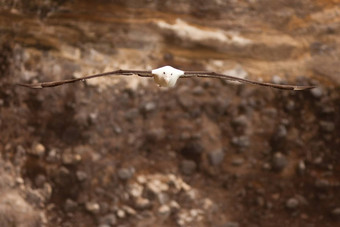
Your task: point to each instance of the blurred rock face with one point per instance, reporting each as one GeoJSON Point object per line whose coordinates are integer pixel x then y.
{"type": "Point", "coordinates": [266, 38]}
{"type": "Point", "coordinates": [121, 151]}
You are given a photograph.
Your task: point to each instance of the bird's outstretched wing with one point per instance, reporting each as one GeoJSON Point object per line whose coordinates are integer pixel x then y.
{"type": "Point", "coordinates": [62, 82]}
{"type": "Point", "coordinates": [207, 74]}
{"type": "Point", "coordinates": [166, 76]}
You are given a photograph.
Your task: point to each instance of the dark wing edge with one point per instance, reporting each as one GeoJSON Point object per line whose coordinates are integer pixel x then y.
{"type": "Point", "coordinates": [233, 78]}
{"type": "Point", "coordinates": [62, 82]}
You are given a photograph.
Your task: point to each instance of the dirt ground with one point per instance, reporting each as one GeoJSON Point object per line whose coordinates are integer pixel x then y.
{"type": "Point", "coordinates": [124, 152]}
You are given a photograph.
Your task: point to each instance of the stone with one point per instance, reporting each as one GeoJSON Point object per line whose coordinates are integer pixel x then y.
{"type": "Point", "coordinates": [70, 205]}
{"type": "Point", "coordinates": [135, 190]}
{"type": "Point", "coordinates": [53, 156]}
{"type": "Point", "coordinates": [156, 186]}
{"type": "Point", "coordinates": [290, 105]}
{"type": "Point", "coordinates": [16, 211]}
{"type": "Point", "coordinates": [104, 225]}
{"type": "Point", "coordinates": [292, 203]}
{"type": "Point", "coordinates": [231, 224]}
{"type": "Point", "coordinates": [276, 79]}
{"type": "Point", "coordinates": [322, 183]}
{"type": "Point", "coordinates": [81, 175]}
{"type": "Point", "coordinates": [237, 161]}
{"type": "Point", "coordinates": [241, 141]}
{"type": "Point", "coordinates": [38, 149]}
{"type": "Point", "coordinates": [47, 191]}
{"type": "Point", "coordinates": [126, 173]}
{"type": "Point", "coordinates": [198, 90]}
{"type": "Point", "coordinates": [149, 106]}
{"type": "Point", "coordinates": [336, 212]}
{"type": "Point", "coordinates": [327, 126]}
{"type": "Point", "coordinates": [35, 197]}
{"type": "Point", "coordinates": [40, 180]}
{"type": "Point", "coordinates": [67, 157]}
{"type": "Point", "coordinates": [129, 210]}
{"type": "Point", "coordinates": [281, 132]}
{"type": "Point", "coordinates": [188, 167]}
{"type": "Point", "coordinates": [121, 213]}
{"type": "Point", "coordinates": [279, 161]}
{"type": "Point", "coordinates": [192, 150]}
{"type": "Point", "coordinates": [174, 205]}
{"type": "Point", "coordinates": [301, 168]}
{"type": "Point", "coordinates": [163, 198]}
{"type": "Point", "coordinates": [240, 121]}
{"type": "Point", "coordinates": [92, 207]}
{"type": "Point", "coordinates": [142, 203]}
{"type": "Point", "coordinates": [317, 92]}
{"type": "Point", "coordinates": [216, 157]}
{"type": "Point", "coordinates": [109, 219]}
{"type": "Point", "coordinates": [164, 210]}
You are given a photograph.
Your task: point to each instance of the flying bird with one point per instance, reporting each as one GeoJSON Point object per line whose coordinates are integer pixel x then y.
{"type": "Point", "coordinates": [167, 76]}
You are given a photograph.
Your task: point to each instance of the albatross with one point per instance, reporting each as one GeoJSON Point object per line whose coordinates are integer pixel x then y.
{"type": "Point", "coordinates": [167, 76]}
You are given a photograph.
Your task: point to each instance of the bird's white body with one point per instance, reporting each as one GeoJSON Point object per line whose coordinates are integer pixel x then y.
{"type": "Point", "coordinates": [167, 76]}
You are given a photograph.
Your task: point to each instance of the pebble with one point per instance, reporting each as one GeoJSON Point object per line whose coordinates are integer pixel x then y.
{"type": "Point", "coordinates": [174, 205]}
{"type": "Point", "coordinates": [109, 219]}
{"type": "Point", "coordinates": [38, 149]}
{"type": "Point", "coordinates": [290, 105]}
{"type": "Point", "coordinates": [164, 210]}
{"type": "Point", "coordinates": [207, 204]}
{"type": "Point", "coordinates": [156, 186]}
{"type": "Point", "coordinates": [231, 224]}
{"type": "Point", "coordinates": [336, 212]}
{"type": "Point", "coordinates": [67, 157]}
{"type": "Point", "coordinates": [81, 175]}
{"type": "Point", "coordinates": [192, 149]}
{"type": "Point", "coordinates": [136, 190]}
{"type": "Point", "coordinates": [240, 121]}
{"type": "Point", "coordinates": [237, 161]}
{"type": "Point", "coordinates": [92, 207]}
{"type": "Point", "coordinates": [281, 132]}
{"type": "Point", "coordinates": [270, 112]}
{"type": "Point", "coordinates": [279, 161]}
{"type": "Point", "coordinates": [47, 191]}
{"type": "Point", "coordinates": [149, 106]}
{"type": "Point", "coordinates": [216, 157]}
{"type": "Point", "coordinates": [40, 180]}
{"type": "Point", "coordinates": [301, 167]}
{"type": "Point", "coordinates": [104, 225]}
{"type": "Point", "coordinates": [198, 90]}
{"type": "Point", "coordinates": [35, 197]}
{"type": "Point", "coordinates": [163, 198]}
{"type": "Point", "coordinates": [322, 183]}
{"type": "Point", "coordinates": [276, 79]}
{"type": "Point", "coordinates": [188, 167]}
{"type": "Point", "coordinates": [317, 92]}
{"type": "Point", "coordinates": [19, 180]}
{"type": "Point", "coordinates": [129, 210]}
{"type": "Point", "coordinates": [327, 126]}
{"type": "Point", "coordinates": [292, 203]}
{"type": "Point", "coordinates": [70, 205]}
{"type": "Point", "coordinates": [142, 203]}
{"type": "Point", "coordinates": [126, 173]}
{"type": "Point", "coordinates": [241, 141]}
{"type": "Point", "coordinates": [131, 114]}
{"type": "Point", "coordinates": [52, 156]}
{"type": "Point", "coordinates": [121, 213]}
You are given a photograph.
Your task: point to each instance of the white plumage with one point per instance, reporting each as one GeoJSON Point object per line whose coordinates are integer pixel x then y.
{"type": "Point", "coordinates": [167, 76]}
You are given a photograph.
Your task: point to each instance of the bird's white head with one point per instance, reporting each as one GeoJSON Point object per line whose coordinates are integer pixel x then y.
{"type": "Point", "coordinates": [167, 76]}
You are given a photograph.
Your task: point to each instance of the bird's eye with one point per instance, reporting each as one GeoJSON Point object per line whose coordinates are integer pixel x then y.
{"type": "Point", "coordinates": [164, 73]}
{"type": "Point", "coordinates": [171, 74]}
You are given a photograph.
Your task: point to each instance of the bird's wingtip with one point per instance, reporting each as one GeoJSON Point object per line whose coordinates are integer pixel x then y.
{"type": "Point", "coordinates": [301, 88]}
{"type": "Point", "coordinates": [34, 86]}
